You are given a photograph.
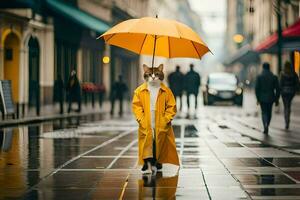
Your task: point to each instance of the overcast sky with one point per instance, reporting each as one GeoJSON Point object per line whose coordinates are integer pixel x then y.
{"type": "Point", "coordinates": [213, 15]}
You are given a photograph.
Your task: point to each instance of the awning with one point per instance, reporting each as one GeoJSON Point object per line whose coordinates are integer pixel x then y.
{"type": "Point", "coordinates": [78, 16]}
{"type": "Point", "coordinates": [16, 3]}
{"type": "Point", "coordinates": [244, 55]}
{"type": "Point", "coordinates": [291, 40]}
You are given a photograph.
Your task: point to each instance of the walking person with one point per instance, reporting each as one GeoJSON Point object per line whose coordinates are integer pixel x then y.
{"type": "Point", "coordinates": [176, 80]}
{"type": "Point", "coordinates": [58, 94]}
{"type": "Point", "coordinates": [192, 82]}
{"type": "Point", "coordinates": [118, 91]}
{"type": "Point", "coordinates": [289, 83]}
{"type": "Point", "coordinates": [267, 92]}
{"type": "Point", "coordinates": [74, 91]}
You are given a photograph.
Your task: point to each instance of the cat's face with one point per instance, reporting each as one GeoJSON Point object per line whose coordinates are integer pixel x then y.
{"type": "Point", "coordinates": [154, 75]}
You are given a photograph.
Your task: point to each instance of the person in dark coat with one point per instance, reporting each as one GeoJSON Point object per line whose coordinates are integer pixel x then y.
{"type": "Point", "coordinates": [118, 90]}
{"type": "Point", "coordinates": [289, 83]}
{"type": "Point", "coordinates": [74, 91]}
{"type": "Point", "coordinates": [192, 81]}
{"type": "Point", "coordinates": [58, 93]}
{"type": "Point", "coordinates": [176, 80]}
{"type": "Point", "coordinates": [267, 92]}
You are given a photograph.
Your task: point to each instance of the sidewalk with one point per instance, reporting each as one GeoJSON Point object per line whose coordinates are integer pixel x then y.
{"type": "Point", "coordinates": [51, 112]}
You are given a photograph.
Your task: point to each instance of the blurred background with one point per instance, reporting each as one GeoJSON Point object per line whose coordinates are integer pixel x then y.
{"type": "Point", "coordinates": [43, 40]}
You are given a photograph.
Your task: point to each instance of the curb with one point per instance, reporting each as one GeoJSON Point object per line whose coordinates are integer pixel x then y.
{"type": "Point", "coordinates": [13, 122]}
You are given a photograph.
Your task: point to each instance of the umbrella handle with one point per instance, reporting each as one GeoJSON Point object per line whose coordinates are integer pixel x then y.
{"type": "Point", "coordinates": [155, 37]}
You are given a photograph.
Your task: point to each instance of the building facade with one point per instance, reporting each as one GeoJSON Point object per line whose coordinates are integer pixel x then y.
{"type": "Point", "coordinates": [251, 24]}
{"type": "Point", "coordinates": [44, 40]}
{"type": "Point", "coordinates": [25, 49]}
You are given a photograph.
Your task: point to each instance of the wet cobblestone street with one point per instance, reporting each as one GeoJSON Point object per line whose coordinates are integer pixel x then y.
{"type": "Point", "coordinates": [91, 159]}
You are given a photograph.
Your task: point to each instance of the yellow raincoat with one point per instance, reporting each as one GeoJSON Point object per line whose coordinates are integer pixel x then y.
{"type": "Point", "coordinates": [164, 137]}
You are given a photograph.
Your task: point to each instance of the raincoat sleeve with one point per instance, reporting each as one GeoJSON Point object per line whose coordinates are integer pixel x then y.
{"type": "Point", "coordinates": [171, 110]}
{"type": "Point", "coordinates": [137, 107]}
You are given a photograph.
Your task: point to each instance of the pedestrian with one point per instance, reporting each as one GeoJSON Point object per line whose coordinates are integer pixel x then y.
{"type": "Point", "coordinates": [74, 91]}
{"type": "Point", "coordinates": [58, 93]}
{"type": "Point", "coordinates": [289, 83]}
{"type": "Point", "coordinates": [118, 91]}
{"type": "Point", "coordinates": [176, 80]}
{"type": "Point", "coordinates": [192, 82]}
{"type": "Point", "coordinates": [267, 92]}
{"type": "Point", "coordinates": [154, 108]}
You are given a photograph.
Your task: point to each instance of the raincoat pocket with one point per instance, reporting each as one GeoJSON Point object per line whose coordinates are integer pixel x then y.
{"type": "Point", "coordinates": [164, 124]}
{"type": "Point", "coordinates": [142, 123]}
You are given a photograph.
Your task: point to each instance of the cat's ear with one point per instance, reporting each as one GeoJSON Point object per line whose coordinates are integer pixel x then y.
{"type": "Point", "coordinates": [145, 67]}
{"type": "Point", "coordinates": [160, 67]}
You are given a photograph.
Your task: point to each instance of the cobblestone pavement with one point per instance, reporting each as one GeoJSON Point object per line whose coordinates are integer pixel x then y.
{"type": "Point", "coordinates": [223, 155]}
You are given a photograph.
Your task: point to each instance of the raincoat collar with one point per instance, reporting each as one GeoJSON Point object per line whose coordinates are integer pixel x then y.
{"type": "Point", "coordinates": [162, 86]}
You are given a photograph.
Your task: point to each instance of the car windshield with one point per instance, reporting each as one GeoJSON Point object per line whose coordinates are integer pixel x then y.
{"type": "Point", "coordinates": [222, 79]}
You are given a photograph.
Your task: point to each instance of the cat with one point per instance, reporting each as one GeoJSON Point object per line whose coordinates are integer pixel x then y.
{"type": "Point", "coordinates": [153, 77]}
{"type": "Point", "coordinates": [153, 102]}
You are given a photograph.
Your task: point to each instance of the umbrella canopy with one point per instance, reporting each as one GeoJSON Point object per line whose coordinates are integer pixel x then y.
{"type": "Point", "coordinates": [156, 37]}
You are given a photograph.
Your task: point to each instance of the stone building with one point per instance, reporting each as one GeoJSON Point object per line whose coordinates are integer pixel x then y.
{"type": "Point", "coordinates": [251, 35]}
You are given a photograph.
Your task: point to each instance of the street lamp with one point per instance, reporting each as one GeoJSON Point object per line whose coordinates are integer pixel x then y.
{"type": "Point", "coordinates": [238, 38]}
{"type": "Point", "coordinates": [105, 59]}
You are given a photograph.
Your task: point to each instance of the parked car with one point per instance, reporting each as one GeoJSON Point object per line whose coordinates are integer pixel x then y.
{"type": "Point", "coordinates": [222, 87]}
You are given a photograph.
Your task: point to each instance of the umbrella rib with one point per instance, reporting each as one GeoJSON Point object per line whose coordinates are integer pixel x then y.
{"type": "Point", "coordinates": [110, 37]}
{"type": "Point", "coordinates": [143, 43]}
{"type": "Point", "coordinates": [195, 49]}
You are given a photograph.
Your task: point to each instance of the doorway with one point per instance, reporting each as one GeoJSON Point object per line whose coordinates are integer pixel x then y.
{"type": "Point", "coordinates": [34, 77]}
{"type": "Point", "coordinates": [11, 63]}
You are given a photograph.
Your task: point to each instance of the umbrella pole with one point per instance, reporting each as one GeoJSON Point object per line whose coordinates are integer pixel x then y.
{"type": "Point", "coordinates": [155, 37]}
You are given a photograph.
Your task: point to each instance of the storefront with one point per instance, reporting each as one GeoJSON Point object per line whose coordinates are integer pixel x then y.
{"type": "Point", "coordinates": [76, 46]}
{"type": "Point", "coordinates": [290, 45]}
{"type": "Point", "coordinates": [124, 62]}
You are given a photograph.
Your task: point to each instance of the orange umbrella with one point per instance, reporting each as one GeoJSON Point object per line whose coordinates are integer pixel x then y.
{"type": "Point", "coordinates": [156, 37]}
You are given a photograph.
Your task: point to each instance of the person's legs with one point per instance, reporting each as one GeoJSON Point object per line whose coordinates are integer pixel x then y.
{"type": "Point", "coordinates": [269, 113]}
{"type": "Point", "coordinates": [61, 106]}
{"type": "Point", "coordinates": [69, 103]}
{"type": "Point", "coordinates": [264, 115]}
{"type": "Point", "coordinates": [196, 101]}
{"type": "Point", "coordinates": [188, 104]}
{"type": "Point", "coordinates": [286, 112]}
{"type": "Point", "coordinates": [112, 101]}
{"type": "Point", "coordinates": [188, 100]}
{"type": "Point", "coordinates": [180, 98]}
{"type": "Point", "coordinates": [121, 106]}
{"type": "Point", "coordinates": [79, 104]}
{"type": "Point", "coordinates": [287, 101]}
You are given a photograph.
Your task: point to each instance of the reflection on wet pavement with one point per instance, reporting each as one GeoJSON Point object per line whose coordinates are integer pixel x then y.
{"type": "Point", "coordinates": [82, 159]}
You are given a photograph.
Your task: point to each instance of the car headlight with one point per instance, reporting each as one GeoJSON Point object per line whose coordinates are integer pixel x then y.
{"type": "Point", "coordinates": [212, 91]}
{"type": "Point", "coordinates": [238, 91]}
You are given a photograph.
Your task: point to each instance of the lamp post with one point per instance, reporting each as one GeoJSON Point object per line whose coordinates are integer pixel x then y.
{"type": "Point", "coordinates": [279, 33]}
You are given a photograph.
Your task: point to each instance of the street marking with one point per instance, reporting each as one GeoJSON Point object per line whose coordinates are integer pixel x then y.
{"type": "Point", "coordinates": [225, 167]}
{"type": "Point", "coordinates": [100, 170]}
{"type": "Point", "coordinates": [121, 153]}
{"type": "Point", "coordinates": [259, 156]}
{"type": "Point", "coordinates": [79, 156]}
{"type": "Point", "coordinates": [124, 188]}
{"type": "Point", "coordinates": [109, 156]}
